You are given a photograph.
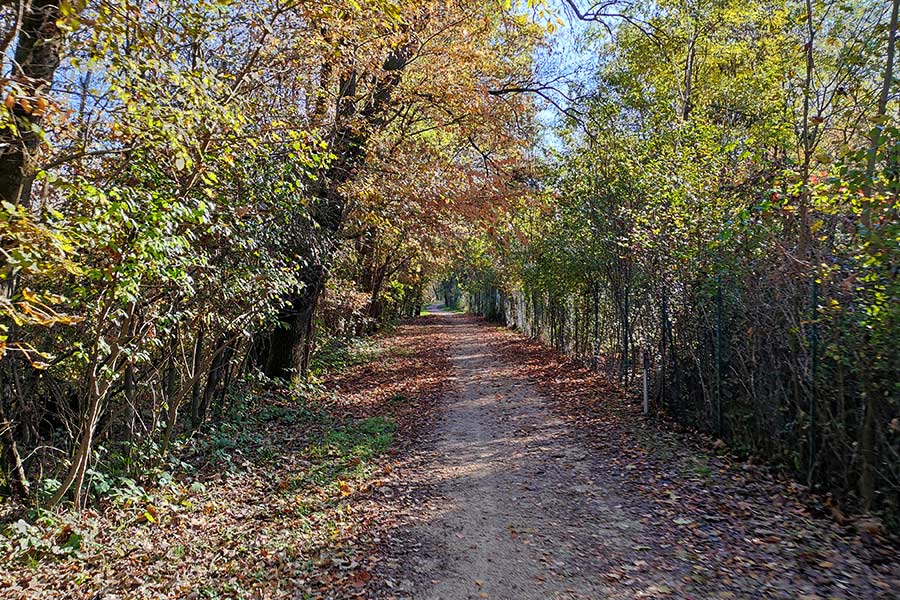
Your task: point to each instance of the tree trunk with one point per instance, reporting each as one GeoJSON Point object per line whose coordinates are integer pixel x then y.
{"type": "Point", "coordinates": [689, 75]}
{"type": "Point", "coordinates": [290, 344]}
{"type": "Point", "coordinates": [36, 60]}
{"type": "Point", "coordinates": [13, 470]}
{"type": "Point", "coordinates": [198, 411]}
{"type": "Point", "coordinates": [130, 395]}
{"type": "Point", "coordinates": [809, 138]}
{"type": "Point", "coordinates": [876, 140]}
{"type": "Point", "coordinates": [216, 374]}
{"type": "Point", "coordinates": [75, 478]}
{"type": "Point", "coordinates": [288, 347]}
{"type": "Point", "coordinates": [173, 397]}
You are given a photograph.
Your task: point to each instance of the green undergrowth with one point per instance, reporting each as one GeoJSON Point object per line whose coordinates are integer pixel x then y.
{"type": "Point", "coordinates": [344, 453]}
{"type": "Point", "coordinates": [263, 432]}
{"type": "Point", "coordinates": [337, 355]}
{"type": "Point", "coordinates": [258, 425]}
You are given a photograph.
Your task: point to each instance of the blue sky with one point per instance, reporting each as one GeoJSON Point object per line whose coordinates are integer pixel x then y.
{"type": "Point", "coordinates": [566, 61]}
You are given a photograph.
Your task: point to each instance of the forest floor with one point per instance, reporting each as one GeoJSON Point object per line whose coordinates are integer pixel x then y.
{"type": "Point", "coordinates": [459, 460]}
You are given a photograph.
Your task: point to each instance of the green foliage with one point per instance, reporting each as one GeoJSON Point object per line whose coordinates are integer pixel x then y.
{"type": "Point", "coordinates": [363, 439]}
{"type": "Point", "coordinates": [44, 537]}
{"type": "Point", "coordinates": [338, 354]}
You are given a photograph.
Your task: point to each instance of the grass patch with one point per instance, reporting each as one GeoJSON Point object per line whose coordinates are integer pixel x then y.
{"type": "Point", "coordinates": [700, 467]}
{"type": "Point", "coordinates": [346, 453]}
{"type": "Point", "coordinates": [339, 354]}
{"type": "Point", "coordinates": [363, 439]}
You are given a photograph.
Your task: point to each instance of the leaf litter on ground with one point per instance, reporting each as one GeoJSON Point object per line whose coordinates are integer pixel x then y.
{"type": "Point", "coordinates": [292, 512]}
{"type": "Point", "coordinates": [737, 527]}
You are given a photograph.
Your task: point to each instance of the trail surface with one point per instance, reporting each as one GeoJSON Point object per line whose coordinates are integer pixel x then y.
{"type": "Point", "coordinates": [514, 503]}
{"type": "Point", "coordinates": [514, 518]}
{"type": "Point", "coordinates": [518, 511]}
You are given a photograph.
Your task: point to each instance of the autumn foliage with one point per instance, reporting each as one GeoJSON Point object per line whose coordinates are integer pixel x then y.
{"type": "Point", "coordinates": [198, 192]}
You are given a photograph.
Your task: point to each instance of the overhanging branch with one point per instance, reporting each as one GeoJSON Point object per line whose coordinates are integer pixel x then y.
{"type": "Point", "coordinates": [541, 91]}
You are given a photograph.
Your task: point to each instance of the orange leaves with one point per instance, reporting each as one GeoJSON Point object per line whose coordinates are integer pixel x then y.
{"type": "Point", "coordinates": [36, 106]}
{"type": "Point", "coordinates": [150, 515]}
{"type": "Point", "coordinates": [445, 162]}
{"type": "Point", "coordinates": [360, 579]}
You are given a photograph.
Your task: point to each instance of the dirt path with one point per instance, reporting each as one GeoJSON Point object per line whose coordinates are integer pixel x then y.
{"type": "Point", "coordinates": [518, 512]}
{"type": "Point", "coordinates": [511, 501]}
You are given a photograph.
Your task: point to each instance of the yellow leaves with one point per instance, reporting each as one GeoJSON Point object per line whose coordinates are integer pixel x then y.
{"type": "Point", "coordinates": [344, 488]}
{"type": "Point", "coordinates": [33, 356]}
{"type": "Point", "coordinates": [34, 310]}
{"type": "Point", "coordinates": [553, 24]}
{"type": "Point", "coordinates": [68, 15]}
{"type": "Point", "coordinates": [31, 309]}
{"type": "Point", "coordinates": [151, 515]}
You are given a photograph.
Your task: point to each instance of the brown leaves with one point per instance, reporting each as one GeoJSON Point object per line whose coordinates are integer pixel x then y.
{"type": "Point", "coordinates": [254, 533]}
{"type": "Point", "coordinates": [344, 488]}
{"type": "Point", "coordinates": [729, 529]}
{"type": "Point", "coordinates": [360, 579]}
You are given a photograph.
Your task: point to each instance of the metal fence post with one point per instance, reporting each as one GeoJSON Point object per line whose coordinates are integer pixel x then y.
{"type": "Point", "coordinates": [646, 389]}
{"type": "Point", "coordinates": [814, 343]}
{"type": "Point", "coordinates": [719, 417]}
